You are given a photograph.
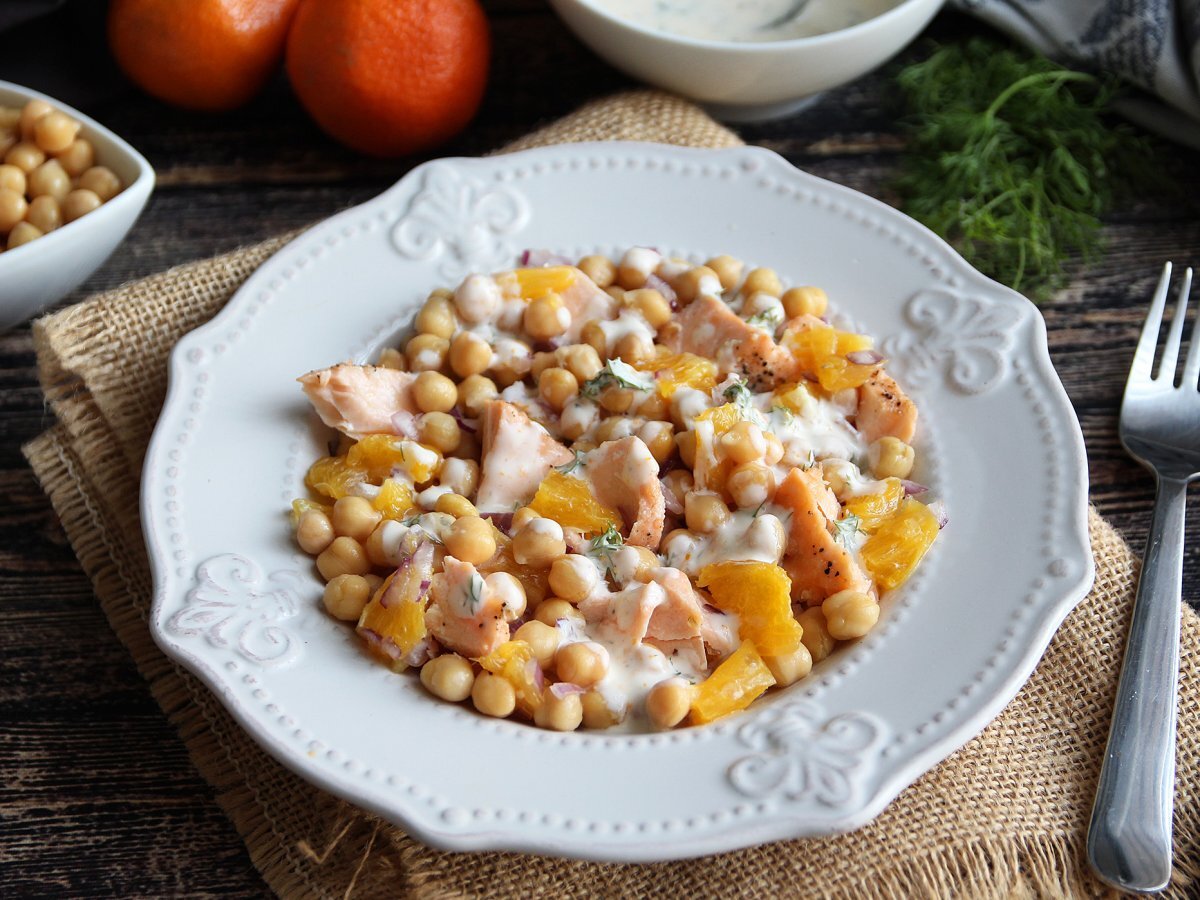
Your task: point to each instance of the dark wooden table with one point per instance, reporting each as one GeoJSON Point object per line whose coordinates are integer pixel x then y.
{"type": "Point", "coordinates": [98, 794]}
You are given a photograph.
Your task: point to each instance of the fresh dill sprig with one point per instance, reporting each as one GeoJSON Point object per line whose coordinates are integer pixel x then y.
{"type": "Point", "coordinates": [616, 373]}
{"type": "Point", "coordinates": [605, 544]}
{"type": "Point", "coordinates": [579, 461]}
{"type": "Point", "coordinates": [846, 528]}
{"type": "Point", "coordinates": [1013, 159]}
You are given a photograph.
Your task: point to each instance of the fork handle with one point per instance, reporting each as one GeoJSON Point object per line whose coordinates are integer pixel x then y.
{"type": "Point", "coordinates": [1129, 838]}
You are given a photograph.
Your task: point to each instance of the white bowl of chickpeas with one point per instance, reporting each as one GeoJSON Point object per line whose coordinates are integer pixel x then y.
{"type": "Point", "coordinates": [70, 190]}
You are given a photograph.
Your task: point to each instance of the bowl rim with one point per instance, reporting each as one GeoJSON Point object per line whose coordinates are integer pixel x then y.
{"type": "Point", "coordinates": [133, 193]}
{"type": "Point", "coordinates": [749, 47]}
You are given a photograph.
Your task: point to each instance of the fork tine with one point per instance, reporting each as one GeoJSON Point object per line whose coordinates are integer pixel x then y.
{"type": "Point", "coordinates": [1166, 368]}
{"type": "Point", "coordinates": [1143, 356]}
{"type": "Point", "coordinates": [1191, 368]}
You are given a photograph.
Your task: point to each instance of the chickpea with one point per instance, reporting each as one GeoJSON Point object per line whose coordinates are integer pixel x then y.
{"type": "Point", "coordinates": [101, 181]}
{"type": "Point", "coordinates": [31, 112]}
{"type": "Point", "coordinates": [493, 695]}
{"type": "Point", "coordinates": [426, 353]}
{"type": "Point", "coordinates": [455, 505]}
{"type": "Point", "coordinates": [614, 428]}
{"type": "Point", "coordinates": [767, 533]}
{"type": "Point", "coordinates": [468, 448]}
{"type": "Point", "coordinates": [679, 482]}
{"type": "Point", "coordinates": [12, 179]}
{"type": "Point", "coordinates": [832, 472]}
{"type": "Point", "coordinates": [469, 354]}
{"type": "Point", "coordinates": [634, 349]}
{"type": "Point", "coordinates": [728, 269]}
{"type": "Point", "coordinates": [471, 539]}
{"type": "Point", "coordinates": [616, 292]}
{"type": "Point", "coordinates": [23, 233]}
{"type": "Point", "coordinates": [762, 281]}
{"type": "Point", "coordinates": [8, 140]}
{"type": "Point", "coordinates": [687, 447]}
{"type": "Point", "coordinates": [804, 301]}
{"type": "Point", "coordinates": [344, 556]}
{"type": "Point", "coordinates": [521, 518]}
{"type": "Point", "coordinates": [646, 561]}
{"type": "Point", "coordinates": [600, 269]}
{"type": "Point", "coordinates": [436, 317]}
{"type": "Point", "coordinates": [44, 213]}
{"type": "Point", "coordinates": [13, 208]}
{"type": "Point", "coordinates": [573, 577]}
{"type": "Point", "coordinates": [389, 357]}
{"type": "Point", "coordinates": [557, 386]}
{"type": "Point", "coordinates": [744, 443]}
{"type": "Point", "coordinates": [583, 663]}
{"type": "Point", "coordinates": [655, 406]}
{"type": "Point", "coordinates": [816, 638]}
{"type": "Point", "coordinates": [539, 543]}
{"type": "Point", "coordinates": [790, 667]}
{"type": "Point", "coordinates": [508, 589]}
{"type": "Point", "coordinates": [890, 457]}
{"type": "Point", "coordinates": [581, 360]}
{"type": "Point", "coordinates": [50, 178]}
{"type": "Point", "coordinates": [477, 298]}
{"type": "Point", "coordinates": [552, 609]}
{"type": "Point", "coordinates": [850, 614]}
{"type": "Point", "coordinates": [346, 596]}
{"type": "Point", "coordinates": [616, 399]}
{"type": "Point", "coordinates": [546, 317]}
{"type": "Point", "coordinates": [440, 431]}
{"type": "Point", "coordinates": [704, 511]}
{"type": "Point", "coordinates": [383, 545]}
{"type": "Point", "coordinates": [25, 156]}
{"type": "Point", "coordinates": [55, 132]}
{"type": "Point", "coordinates": [449, 677]}
{"type": "Point", "coordinates": [652, 305]}
{"type": "Point", "coordinates": [694, 282]}
{"type": "Point", "coordinates": [314, 531]}
{"type": "Point", "coordinates": [751, 484]}
{"type": "Point", "coordinates": [668, 702]}
{"type": "Point", "coordinates": [460, 475]}
{"type": "Point", "coordinates": [593, 335]}
{"type": "Point", "coordinates": [774, 451]}
{"type": "Point", "coordinates": [559, 713]}
{"type": "Point", "coordinates": [597, 713]}
{"type": "Point", "coordinates": [355, 517]}
{"type": "Point", "coordinates": [659, 437]}
{"type": "Point", "coordinates": [474, 393]}
{"type": "Point", "coordinates": [541, 361]}
{"type": "Point", "coordinates": [434, 392]}
{"type": "Point", "coordinates": [77, 158]}
{"type": "Point", "coordinates": [542, 638]}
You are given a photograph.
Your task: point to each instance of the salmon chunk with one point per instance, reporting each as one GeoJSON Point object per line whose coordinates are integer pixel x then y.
{"type": "Point", "coordinates": [585, 301]}
{"type": "Point", "coordinates": [709, 328]}
{"type": "Point", "coordinates": [816, 562]}
{"type": "Point", "coordinates": [677, 625]}
{"type": "Point", "coordinates": [466, 615]}
{"type": "Point", "coordinates": [884, 409]}
{"type": "Point", "coordinates": [517, 454]}
{"type": "Point", "coordinates": [624, 614]}
{"type": "Point", "coordinates": [624, 475]}
{"type": "Point", "coordinates": [360, 400]}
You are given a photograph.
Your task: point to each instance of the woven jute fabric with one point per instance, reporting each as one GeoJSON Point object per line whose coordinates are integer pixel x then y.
{"type": "Point", "coordinates": [1004, 817]}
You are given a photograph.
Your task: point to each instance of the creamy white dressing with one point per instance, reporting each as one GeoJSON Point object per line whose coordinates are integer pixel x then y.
{"type": "Point", "coordinates": [746, 20]}
{"type": "Point", "coordinates": [626, 323]}
{"type": "Point", "coordinates": [757, 535]}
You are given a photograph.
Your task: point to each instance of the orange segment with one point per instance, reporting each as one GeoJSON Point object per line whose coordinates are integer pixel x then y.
{"type": "Point", "coordinates": [513, 661]}
{"type": "Point", "coordinates": [302, 505]}
{"type": "Point", "coordinates": [734, 685]}
{"type": "Point", "coordinates": [792, 397]}
{"type": "Point", "coordinates": [393, 621]}
{"type": "Point", "coordinates": [333, 477]}
{"type": "Point", "coordinates": [891, 554]}
{"type": "Point", "coordinates": [570, 502]}
{"type": "Point", "coordinates": [380, 454]}
{"type": "Point", "coordinates": [533, 283]}
{"type": "Point", "coordinates": [722, 418]}
{"type": "Point", "coordinates": [395, 498]}
{"type": "Point", "coordinates": [873, 509]}
{"type": "Point", "coordinates": [760, 594]}
{"type": "Point", "coordinates": [821, 352]}
{"type": "Point", "coordinates": [673, 371]}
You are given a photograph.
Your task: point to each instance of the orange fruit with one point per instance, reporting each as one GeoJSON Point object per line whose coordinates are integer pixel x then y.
{"type": "Point", "coordinates": [513, 661]}
{"type": "Point", "coordinates": [733, 685]}
{"type": "Point", "coordinates": [673, 371]}
{"type": "Point", "coordinates": [893, 551]}
{"type": "Point", "coordinates": [389, 77]}
{"type": "Point", "coordinates": [393, 621]}
{"type": "Point", "coordinates": [873, 509]}
{"type": "Point", "coordinates": [209, 55]}
{"type": "Point", "coordinates": [822, 351]}
{"type": "Point", "coordinates": [760, 594]}
{"type": "Point", "coordinates": [571, 503]}
{"type": "Point", "coordinates": [333, 477]}
{"type": "Point", "coordinates": [394, 500]}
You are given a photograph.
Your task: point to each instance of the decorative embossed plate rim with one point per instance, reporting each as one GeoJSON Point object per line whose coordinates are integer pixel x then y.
{"type": "Point", "coordinates": [238, 605]}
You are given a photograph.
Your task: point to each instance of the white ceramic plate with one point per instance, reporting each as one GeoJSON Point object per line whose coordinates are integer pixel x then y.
{"type": "Point", "coordinates": [238, 604]}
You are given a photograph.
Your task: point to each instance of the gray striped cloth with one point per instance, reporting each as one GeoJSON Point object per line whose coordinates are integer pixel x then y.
{"type": "Point", "coordinates": [1152, 44]}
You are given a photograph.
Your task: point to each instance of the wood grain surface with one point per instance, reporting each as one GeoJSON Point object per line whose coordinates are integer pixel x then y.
{"type": "Point", "coordinates": [98, 795]}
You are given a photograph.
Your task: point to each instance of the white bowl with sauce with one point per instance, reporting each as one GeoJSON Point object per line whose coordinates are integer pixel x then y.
{"type": "Point", "coordinates": [34, 275]}
{"type": "Point", "coordinates": [767, 76]}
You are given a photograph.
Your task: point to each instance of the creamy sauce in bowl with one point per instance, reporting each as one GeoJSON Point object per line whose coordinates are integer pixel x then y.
{"type": "Point", "coordinates": [746, 20]}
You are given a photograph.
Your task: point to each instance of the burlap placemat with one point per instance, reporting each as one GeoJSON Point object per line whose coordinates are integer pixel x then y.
{"type": "Point", "coordinates": [1004, 817]}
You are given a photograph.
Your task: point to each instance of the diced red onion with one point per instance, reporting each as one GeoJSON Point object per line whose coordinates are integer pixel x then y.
{"type": "Point", "coordinates": [938, 508]}
{"type": "Point", "coordinates": [708, 607]}
{"type": "Point", "coordinates": [564, 689]}
{"type": "Point", "coordinates": [535, 674]}
{"type": "Point", "coordinates": [672, 502]}
{"type": "Point", "coordinates": [420, 654]}
{"type": "Point", "coordinates": [912, 489]}
{"type": "Point", "coordinates": [465, 423]}
{"type": "Point", "coordinates": [660, 285]}
{"type": "Point", "coordinates": [537, 258]}
{"type": "Point", "coordinates": [404, 424]}
{"type": "Point", "coordinates": [865, 357]}
{"type": "Point", "coordinates": [503, 521]}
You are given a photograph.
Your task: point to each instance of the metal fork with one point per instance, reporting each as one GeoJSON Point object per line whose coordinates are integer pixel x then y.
{"type": "Point", "coordinates": [1129, 838]}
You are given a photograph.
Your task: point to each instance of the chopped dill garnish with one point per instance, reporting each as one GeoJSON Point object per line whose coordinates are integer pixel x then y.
{"type": "Point", "coordinates": [616, 373]}
{"type": "Point", "coordinates": [576, 463]}
{"type": "Point", "coordinates": [845, 529]}
{"type": "Point", "coordinates": [605, 544]}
